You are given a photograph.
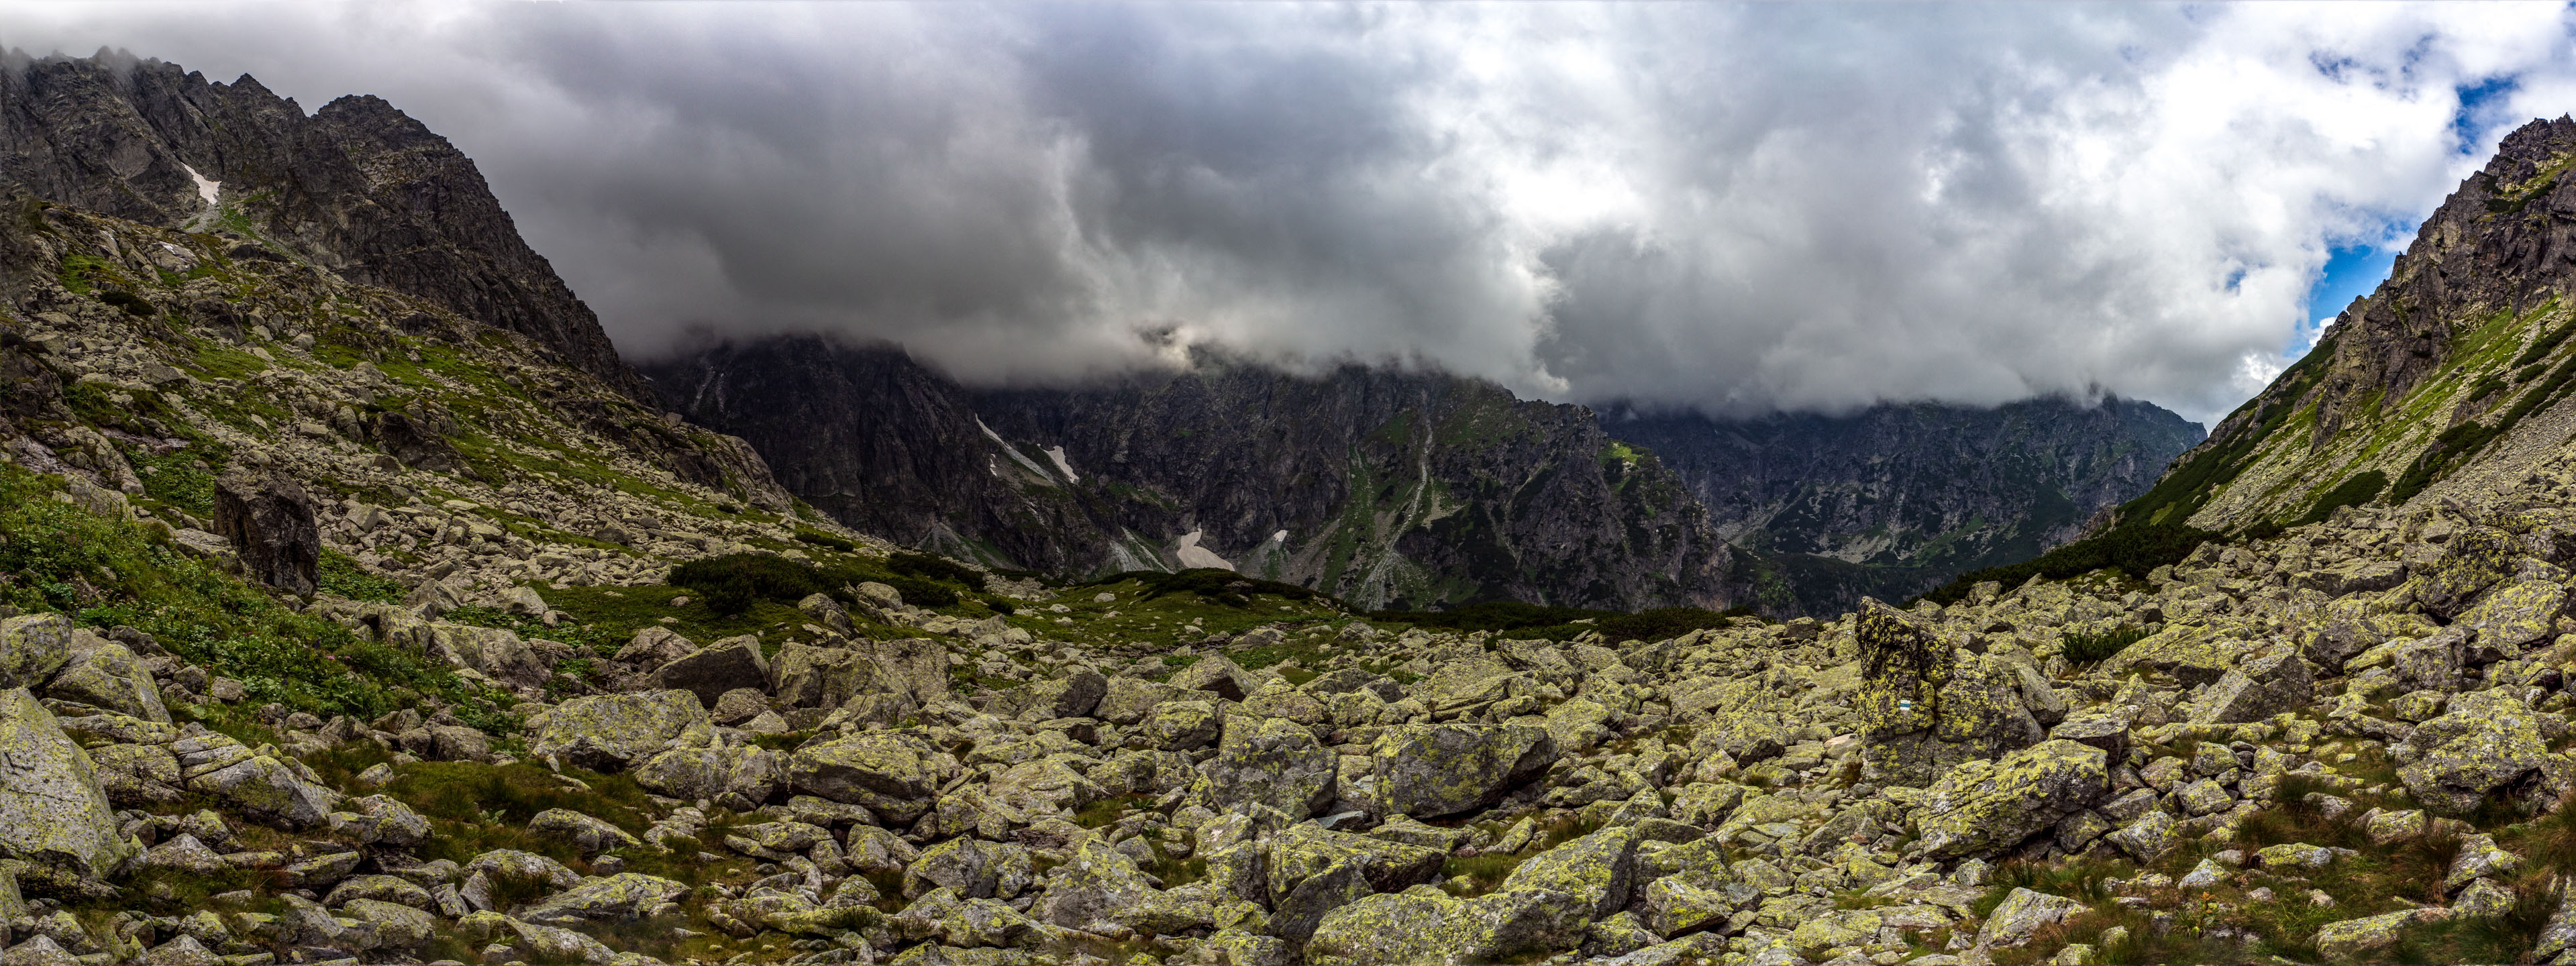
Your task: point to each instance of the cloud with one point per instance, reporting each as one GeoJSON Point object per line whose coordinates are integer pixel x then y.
{"type": "Point", "coordinates": [1731, 207]}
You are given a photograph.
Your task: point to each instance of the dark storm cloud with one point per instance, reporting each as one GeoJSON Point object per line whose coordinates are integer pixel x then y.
{"type": "Point", "coordinates": [1733, 207]}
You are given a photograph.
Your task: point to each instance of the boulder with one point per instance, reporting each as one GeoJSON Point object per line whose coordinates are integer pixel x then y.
{"type": "Point", "coordinates": [1423, 924]}
{"type": "Point", "coordinates": [1183, 725]}
{"type": "Point", "coordinates": [971, 868]}
{"type": "Point", "coordinates": [2022, 914]}
{"type": "Point", "coordinates": [616, 898]}
{"type": "Point", "coordinates": [725, 665]}
{"type": "Point", "coordinates": [2516, 615]}
{"type": "Point", "coordinates": [32, 648]}
{"type": "Point", "coordinates": [611, 731]}
{"type": "Point", "coordinates": [1983, 807]}
{"type": "Point", "coordinates": [111, 677]}
{"type": "Point", "coordinates": [2474, 559]}
{"type": "Point", "coordinates": [584, 832]}
{"type": "Point", "coordinates": [2258, 689]}
{"type": "Point", "coordinates": [810, 676]}
{"type": "Point", "coordinates": [1433, 770]}
{"type": "Point", "coordinates": [1127, 700]}
{"type": "Point", "coordinates": [2487, 740]}
{"type": "Point", "coordinates": [1597, 870]}
{"type": "Point", "coordinates": [889, 775]}
{"type": "Point", "coordinates": [1926, 707]}
{"type": "Point", "coordinates": [495, 653]}
{"type": "Point", "coordinates": [1271, 762]}
{"type": "Point", "coordinates": [52, 811]}
{"type": "Point", "coordinates": [2364, 939]}
{"type": "Point", "coordinates": [269, 521]}
{"type": "Point", "coordinates": [1311, 871]}
{"type": "Point", "coordinates": [1072, 696]}
{"type": "Point", "coordinates": [654, 647]}
{"type": "Point", "coordinates": [1094, 890]}
{"type": "Point", "coordinates": [391, 925]}
{"type": "Point", "coordinates": [1217, 674]}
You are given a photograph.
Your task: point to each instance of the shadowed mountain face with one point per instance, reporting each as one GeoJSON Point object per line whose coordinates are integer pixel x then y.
{"type": "Point", "coordinates": [357, 188]}
{"type": "Point", "coordinates": [1896, 499]}
{"type": "Point", "coordinates": [1383, 487]}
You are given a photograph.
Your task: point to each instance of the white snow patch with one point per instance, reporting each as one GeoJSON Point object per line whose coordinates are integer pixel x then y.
{"type": "Point", "coordinates": [205, 189]}
{"type": "Point", "coordinates": [1280, 537]}
{"type": "Point", "coordinates": [1056, 453]}
{"type": "Point", "coordinates": [1193, 555]}
{"type": "Point", "coordinates": [1014, 451]}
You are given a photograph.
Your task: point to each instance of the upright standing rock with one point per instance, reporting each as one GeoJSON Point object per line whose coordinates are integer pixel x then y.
{"type": "Point", "coordinates": [1926, 707]}
{"type": "Point", "coordinates": [270, 523]}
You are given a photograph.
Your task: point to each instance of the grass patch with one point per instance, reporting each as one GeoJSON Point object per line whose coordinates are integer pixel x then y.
{"type": "Point", "coordinates": [338, 573]}
{"type": "Point", "coordinates": [2087, 647]}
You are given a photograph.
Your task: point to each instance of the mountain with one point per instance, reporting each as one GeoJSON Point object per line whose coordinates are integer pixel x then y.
{"type": "Point", "coordinates": [357, 188]}
{"type": "Point", "coordinates": [1385, 488]}
{"type": "Point", "coordinates": [1893, 500]}
{"type": "Point", "coordinates": [2450, 380]}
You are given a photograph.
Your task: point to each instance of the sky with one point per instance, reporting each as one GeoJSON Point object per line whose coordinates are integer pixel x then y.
{"type": "Point", "coordinates": [1734, 208]}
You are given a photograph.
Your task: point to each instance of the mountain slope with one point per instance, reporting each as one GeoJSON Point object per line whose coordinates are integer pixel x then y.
{"type": "Point", "coordinates": [1895, 499]}
{"type": "Point", "coordinates": [2452, 378]}
{"type": "Point", "coordinates": [357, 188]}
{"type": "Point", "coordinates": [1380, 487]}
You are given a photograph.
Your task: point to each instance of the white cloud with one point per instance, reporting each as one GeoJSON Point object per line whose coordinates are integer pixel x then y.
{"type": "Point", "coordinates": [1725, 206]}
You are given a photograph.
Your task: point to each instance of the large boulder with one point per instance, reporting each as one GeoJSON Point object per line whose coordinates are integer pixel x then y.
{"type": "Point", "coordinates": [1598, 870]}
{"type": "Point", "coordinates": [2258, 689]}
{"type": "Point", "coordinates": [1072, 696]}
{"type": "Point", "coordinates": [1431, 770]}
{"type": "Point", "coordinates": [973, 869]}
{"type": "Point", "coordinates": [811, 676]}
{"type": "Point", "coordinates": [1271, 762]}
{"type": "Point", "coordinates": [2517, 615]}
{"type": "Point", "coordinates": [1425, 925]}
{"type": "Point", "coordinates": [616, 898]}
{"type": "Point", "coordinates": [2023, 914]}
{"type": "Point", "coordinates": [52, 811]}
{"type": "Point", "coordinates": [111, 677]}
{"type": "Point", "coordinates": [1925, 707]}
{"type": "Point", "coordinates": [32, 648]}
{"type": "Point", "coordinates": [889, 774]}
{"type": "Point", "coordinates": [2486, 740]}
{"type": "Point", "coordinates": [490, 651]}
{"type": "Point", "coordinates": [735, 662]}
{"type": "Point", "coordinates": [269, 520]}
{"type": "Point", "coordinates": [1094, 890]}
{"type": "Point", "coordinates": [609, 732]}
{"type": "Point", "coordinates": [1311, 871]}
{"type": "Point", "coordinates": [1982, 807]}
{"type": "Point", "coordinates": [1128, 700]}
{"type": "Point", "coordinates": [2475, 559]}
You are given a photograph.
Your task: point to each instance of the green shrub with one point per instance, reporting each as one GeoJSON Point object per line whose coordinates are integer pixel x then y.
{"type": "Point", "coordinates": [2135, 551]}
{"type": "Point", "coordinates": [824, 540]}
{"type": "Point", "coordinates": [927, 567]}
{"type": "Point", "coordinates": [2087, 648]}
{"type": "Point", "coordinates": [339, 574]}
{"type": "Point", "coordinates": [730, 584]}
{"type": "Point", "coordinates": [2362, 488]}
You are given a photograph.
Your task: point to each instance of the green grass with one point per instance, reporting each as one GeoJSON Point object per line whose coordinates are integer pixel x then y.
{"type": "Point", "coordinates": [2358, 490]}
{"type": "Point", "coordinates": [338, 573]}
{"type": "Point", "coordinates": [2089, 647]}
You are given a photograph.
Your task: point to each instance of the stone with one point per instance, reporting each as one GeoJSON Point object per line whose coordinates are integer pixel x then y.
{"type": "Point", "coordinates": [2473, 560]}
{"type": "Point", "coordinates": [617, 898]}
{"type": "Point", "coordinates": [2485, 741]}
{"type": "Point", "coordinates": [1983, 807]}
{"type": "Point", "coordinates": [1093, 890]}
{"type": "Point", "coordinates": [2258, 689]}
{"type": "Point", "coordinates": [268, 519]}
{"type": "Point", "coordinates": [739, 705]}
{"type": "Point", "coordinates": [1216, 674]}
{"type": "Point", "coordinates": [883, 772]}
{"type": "Point", "coordinates": [2483, 899]}
{"type": "Point", "coordinates": [2103, 729]}
{"type": "Point", "coordinates": [53, 812]}
{"type": "Point", "coordinates": [2516, 615]}
{"type": "Point", "coordinates": [2391, 826]}
{"type": "Point", "coordinates": [611, 731]}
{"type": "Point", "coordinates": [32, 648]}
{"type": "Point", "coordinates": [110, 677]}
{"type": "Point", "coordinates": [1422, 924]}
{"type": "Point", "coordinates": [1597, 870]}
{"type": "Point", "coordinates": [657, 646]}
{"type": "Point", "coordinates": [2479, 858]}
{"type": "Point", "coordinates": [1129, 700]}
{"type": "Point", "coordinates": [185, 854]}
{"type": "Point", "coordinates": [183, 951]}
{"type": "Point", "coordinates": [971, 868]}
{"type": "Point", "coordinates": [708, 673]}
{"type": "Point", "coordinates": [584, 832]}
{"type": "Point", "coordinates": [2294, 855]}
{"type": "Point", "coordinates": [2359, 940]}
{"type": "Point", "coordinates": [392, 925]}
{"type": "Point", "coordinates": [495, 653]}
{"type": "Point", "coordinates": [1271, 762]}
{"type": "Point", "coordinates": [1436, 770]}
{"type": "Point", "coordinates": [1925, 707]}
{"type": "Point", "coordinates": [380, 888]}
{"type": "Point", "coordinates": [2208, 874]}
{"type": "Point", "coordinates": [1072, 696]}
{"type": "Point", "coordinates": [38, 951]}
{"type": "Point", "coordinates": [1182, 725]}
{"type": "Point", "coordinates": [1311, 871]}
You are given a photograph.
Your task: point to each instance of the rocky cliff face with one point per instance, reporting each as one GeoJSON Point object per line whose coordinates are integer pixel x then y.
{"type": "Point", "coordinates": [357, 188]}
{"type": "Point", "coordinates": [2450, 379]}
{"type": "Point", "coordinates": [1895, 499]}
{"type": "Point", "coordinates": [1385, 488]}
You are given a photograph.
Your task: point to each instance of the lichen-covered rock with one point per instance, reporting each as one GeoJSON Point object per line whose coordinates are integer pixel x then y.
{"type": "Point", "coordinates": [1128, 700]}
{"type": "Point", "coordinates": [884, 772]}
{"type": "Point", "coordinates": [391, 925]}
{"type": "Point", "coordinates": [111, 677]}
{"type": "Point", "coordinates": [1925, 707]}
{"type": "Point", "coordinates": [972, 868]}
{"type": "Point", "coordinates": [1094, 890]}
{"type": "Point", "coordinates": [1423, 924]}
{"type": "Point", "coordinates": [1072, 696]}
{"type": "Point", "coordinates": [495, 653]}
{"type": "Point", "coordinates": [1274, 763]}
{"type": "Point", "coordinates": [1312, 871]}
{"type": "Point", "coordinates": [735, 662]}
{"type": "Point", "coordinates": [1597, 870]}
{"type": "Point", "coordinates": [2487, 740]}
{"type": "Point", "coordinates": [2192, 654]}
{"type": "Point", "coordinates": [1182, 725]}
{"type": "Point", "coordinates": [32, 648]}
{"type": "Point", "coordinates": [379, 888]}
{"type": "Point", "coordinates": [584, 832]}
{"type": "Point", "coordinates": [2474, 559]}
{"type": "Point", "coordinates": [270, 790]}
{"type": "Point", "coordinates": [2023, 913]}
{"type": "Point", "coordinates": [966, 923]}
{"type": "Point", "coordinates": [1984, 807]}
{"type": "Point", "coordinates": [53, 812]}
{"type": "Point", "coordinates": [612, 731]}
{"type": "Point", "coordinates": [616, 898]}
{"type": "Point", "coordinates": [2258, 689]}
{"type": "Point", "coordinates": [1432, 770]}
{"type": "Point", "coordinates": [2479, 858]}
{"type": "Point", "coordinates": [2360, 940]}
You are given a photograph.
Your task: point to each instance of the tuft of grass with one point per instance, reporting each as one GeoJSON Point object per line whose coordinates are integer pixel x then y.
{"type": "Point", "coordinates": [2088, 648]}
{"type": "Point", "coordinates": [338, 573]}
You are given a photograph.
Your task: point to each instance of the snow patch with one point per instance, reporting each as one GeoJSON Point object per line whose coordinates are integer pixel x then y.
{"type": "Point", "coordinates": [1280, 537]}
{"type": "Point", "coordinates": [1193, 555]}
{"type": "Point", "coordinates": [208, 190]}
{"type": "Point", "coordinates": [1056, 453]}
{"type": "Point", "coordinates": [1014, 451]}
